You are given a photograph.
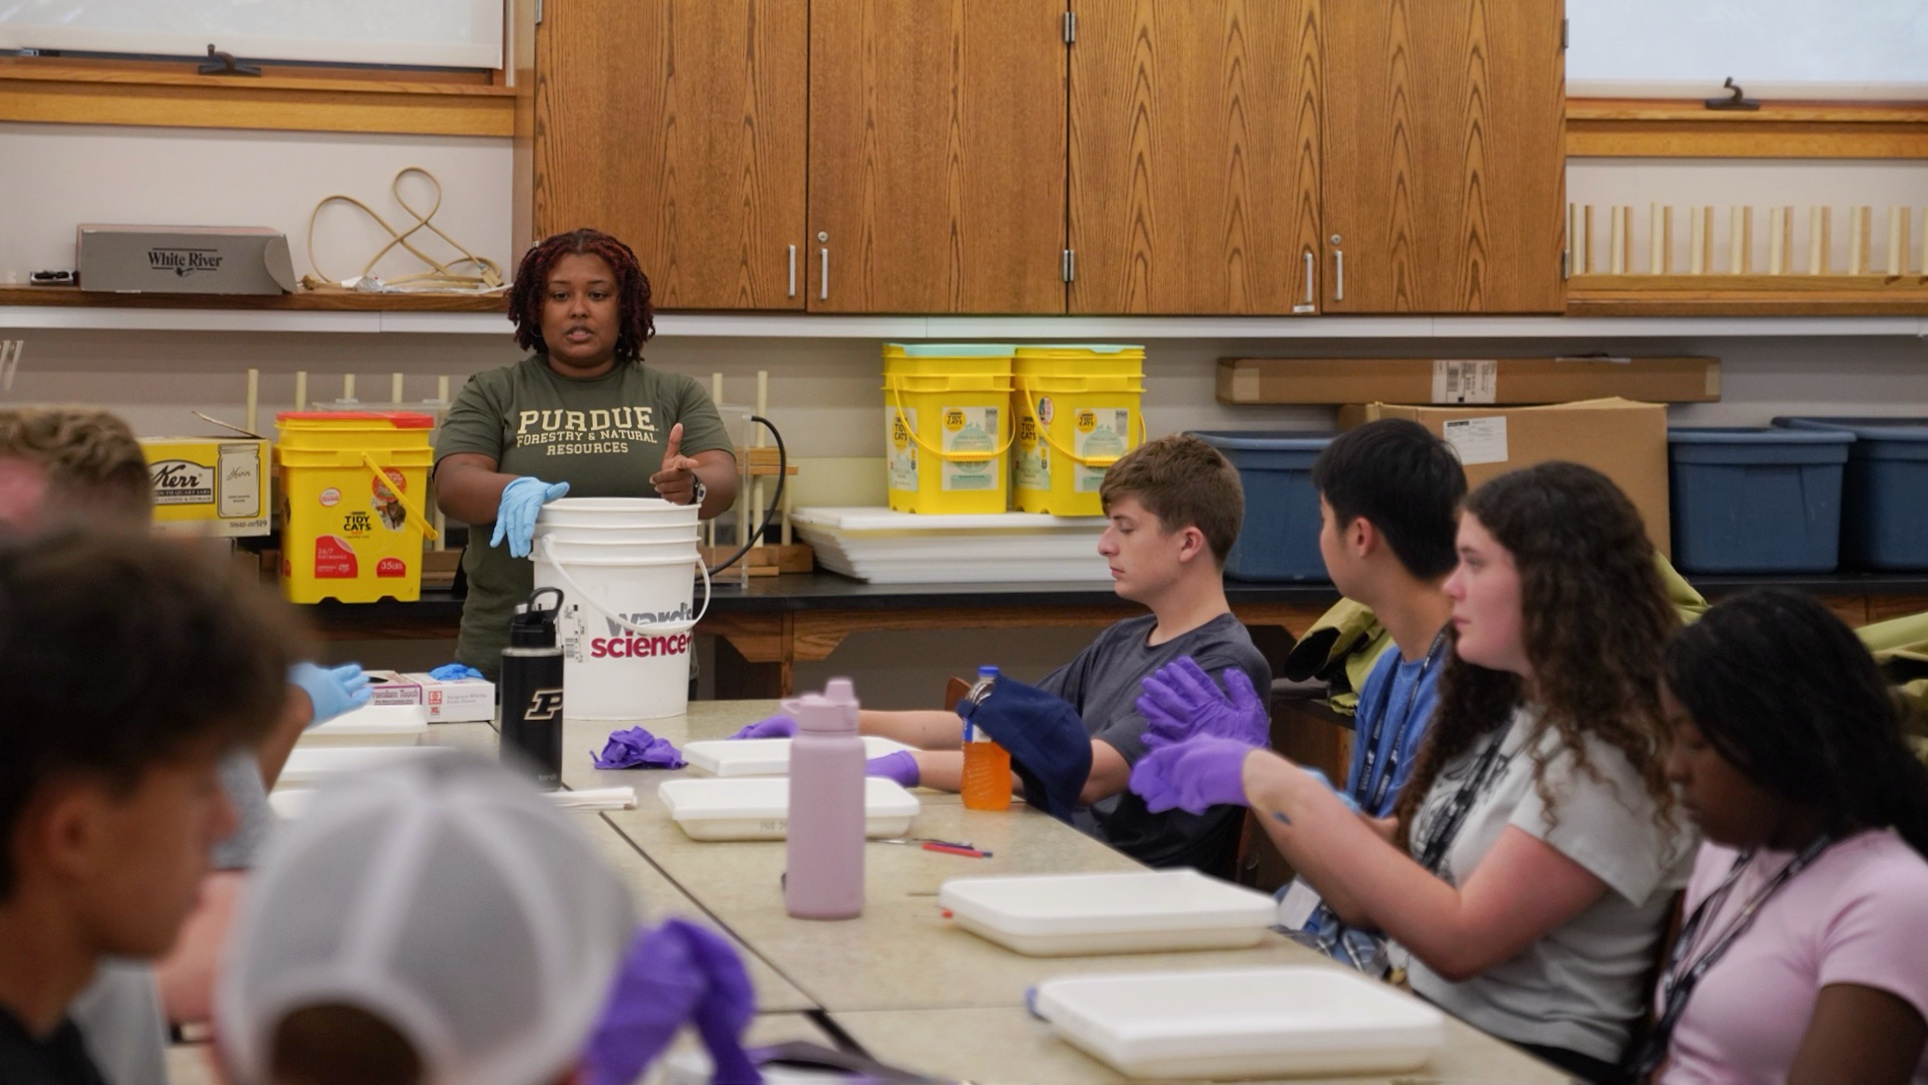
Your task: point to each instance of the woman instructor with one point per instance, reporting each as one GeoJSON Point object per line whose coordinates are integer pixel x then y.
{"type": "Point", "coordinates": [579, 416]}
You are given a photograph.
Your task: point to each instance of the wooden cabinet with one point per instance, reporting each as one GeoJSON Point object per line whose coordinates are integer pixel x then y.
{"type": "Point", "coordinates": [1443, 156]}
{"type": "Point", "coordinates": [1194, 184]}
{"type": "Point", "coordinates": [937, 156]}
{"type": "Point", "coordinates": [678, 126]}
{"type": "Point", "coordinates": [940, 156]}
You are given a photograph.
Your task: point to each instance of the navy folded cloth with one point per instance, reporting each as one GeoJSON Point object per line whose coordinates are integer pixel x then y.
{"type": "Point", "coordinates": [1047, 741]}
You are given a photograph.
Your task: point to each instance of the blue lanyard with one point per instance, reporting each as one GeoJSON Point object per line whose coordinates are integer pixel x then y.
{"type": "Point", "coordinates": [1393, 738]}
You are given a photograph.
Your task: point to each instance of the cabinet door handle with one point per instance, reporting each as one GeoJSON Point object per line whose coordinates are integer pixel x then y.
{"type": "Point", "coordinates": [1338, 275]}
{"type": "Point", "coordinates": [793, 271]}
{"type": "Point", "coordinates": [1308, 276]}
{"type": "Point", "coordinates": [823, 274]}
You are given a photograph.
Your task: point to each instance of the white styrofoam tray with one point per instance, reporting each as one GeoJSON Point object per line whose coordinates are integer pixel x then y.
{"type": "Point", "coordinates": [371, 725]}
{"type": "Point", "coordinates": [758, 807]}
{"type": "Point", "coordinates": [763, 756]}
{"type": "Point", "coordinates": [871, 520]}
{"type": "Point", "coordinates": [1149, 911]}
{"type": "Point", "coordinates": [1240, 1023]}
{"type": "Point", "coordinates": [310, 766]}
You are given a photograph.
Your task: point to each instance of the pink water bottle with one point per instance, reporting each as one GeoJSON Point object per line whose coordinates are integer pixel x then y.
{"type": "Point", "coordinates": [825, 860]}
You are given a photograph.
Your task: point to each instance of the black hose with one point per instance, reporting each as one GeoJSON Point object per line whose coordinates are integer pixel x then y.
{"type": "Point", "coordinates": [776, 498]}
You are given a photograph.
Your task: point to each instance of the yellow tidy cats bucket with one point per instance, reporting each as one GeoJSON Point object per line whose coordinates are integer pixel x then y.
{"type": "Point", "coordinates": [353, 511]}
{"type": "Point", "coordinates": [1079, 410]}
{"type": "Point", "coordinates": [948, 427]}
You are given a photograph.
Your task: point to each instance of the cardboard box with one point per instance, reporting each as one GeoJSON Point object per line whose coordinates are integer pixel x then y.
{"type": "Point", "coordinates": [1443, 381]}
{"type": "Point", "coordinates": [183, 260]}
{"type": "Point", "coordinates": [218, 486]}
{"type": "Point", "coordinates": [1623, 440]}
{"type": "Point", "coordinates": [464, 700]}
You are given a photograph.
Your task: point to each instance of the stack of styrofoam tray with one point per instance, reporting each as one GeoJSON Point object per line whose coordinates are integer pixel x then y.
{"type": "Point", "coordinates": [763, 756]}
{"type": "Point", "coordinates": [312, 766]}
{"type": "Point", "coordinates": [758, 807]}
{"type": "Point", "coordinates": [371, 725]}
{"type": "Point", "coordinates": [1243, 1023]}
{"type": "Point", "coordinates": [1150, 911]}
{"type": "Point", "coordinates": [886, 547]}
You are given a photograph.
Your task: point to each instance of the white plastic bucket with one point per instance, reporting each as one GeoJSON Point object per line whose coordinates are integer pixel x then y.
{"type": "Point", "coordinates": [607, 512]}
{"type": "Point", "coordinates": [627, 612]}
{"type": "Point", "coordinates": [683, 533]}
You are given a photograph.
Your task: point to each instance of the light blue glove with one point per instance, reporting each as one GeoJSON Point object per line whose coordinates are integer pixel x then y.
{"type": "Point", "coordinates": [515, 517]}
{"type": "Point", "coordinates": [454, 672]}
{"type": "Point", "coordinates": [331, 691]}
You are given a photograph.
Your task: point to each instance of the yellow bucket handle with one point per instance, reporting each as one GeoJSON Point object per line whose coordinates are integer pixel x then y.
{"type": "Point", "coordinates": [1088, 461]}
{"type": "Point", "coordinates": [897, 395]}
{"type": "Point", "coordinates": [401, 496]}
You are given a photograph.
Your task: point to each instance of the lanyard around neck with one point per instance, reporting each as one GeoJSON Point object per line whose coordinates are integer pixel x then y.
{"type": "Point", "coordinates": [1371, 789]}
{"type": "Point", "coordinates": [1446, 826]}
{"type": "Point", "coordinates": [1677, 986]}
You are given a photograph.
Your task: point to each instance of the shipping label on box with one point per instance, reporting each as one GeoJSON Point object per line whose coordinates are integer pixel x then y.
{"type": "Point", "coordinates": [209, 485]}
{"type": "Point", "coordinates": [1625, 441]}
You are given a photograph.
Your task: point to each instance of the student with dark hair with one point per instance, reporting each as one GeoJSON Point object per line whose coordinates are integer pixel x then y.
{"type": "Point", "coordinates": [1174, 505]}
{"type": "Point", "coordinates": [1534, 855]}
{"type": "Point", "coordinates": [132, 667]}
{"type": "Point", "coordinates": [1389, 494]}
{"type": "Point", "coordinates": [1803, 957]}
{"type": "Point", "coordinates": [580, 415]}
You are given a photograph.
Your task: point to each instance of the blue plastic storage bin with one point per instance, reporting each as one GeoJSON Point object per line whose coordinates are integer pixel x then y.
{"type": "Point", "coordinates": [1756, 499]}
{"type": "Point", "coordinates": [1279, 538]}
{"type": "Point", "coordinates": [1884, 511]}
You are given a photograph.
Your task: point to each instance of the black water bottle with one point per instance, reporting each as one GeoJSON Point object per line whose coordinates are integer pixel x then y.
{"type": "Point", "coordinates": [532, 688]}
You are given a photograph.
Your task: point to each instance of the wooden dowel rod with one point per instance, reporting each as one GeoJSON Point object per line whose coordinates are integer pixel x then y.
{"type": "Point", "coordinates": [1858, 240]}
{"type": "Point", "coordinates": [1818, 241]}
{"type": "Point", "coordinates": [1897, 241]}
{"type": "Point", "coordinates": [395, 389]}
{"type": "Point", "coordinates": [254, 401]}
{"type": "Point", "coordinates": [1586, 232]}
{"type": "Point", "coordinates": [1697, 219]}
{"type": "Point", "coordinates": [1740, 247]}
{"type": "Point", "coordinates": [1618, 242]}
{"type": "Point", "coordinates": [1777, 241]}
{"type": "Point", "coordinates": [301, 389]}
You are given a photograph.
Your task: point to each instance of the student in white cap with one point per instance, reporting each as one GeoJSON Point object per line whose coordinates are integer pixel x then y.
{"type": "Point", "coordinates": [432, 922]}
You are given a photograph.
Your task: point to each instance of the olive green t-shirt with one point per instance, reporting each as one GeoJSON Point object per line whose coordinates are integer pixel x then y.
{"type": "Point", "coordinates": [602, 435]}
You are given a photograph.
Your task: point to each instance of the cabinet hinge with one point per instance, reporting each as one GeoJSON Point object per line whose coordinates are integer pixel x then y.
{"type": "Point", "coordinates": [1070, 267]}
{"type": "Point", "coordinates": [1566, 264]}
{"type": "Point", "coordinates": [538, 12]}
{"type": "Point", "coordinates": [1070, 27]}
{"type": "Point", "coordinates": [1565, 26]}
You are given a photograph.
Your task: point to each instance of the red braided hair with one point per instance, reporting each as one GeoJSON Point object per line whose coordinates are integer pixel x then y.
{"type": "Point", "coordinates": [637, 321]}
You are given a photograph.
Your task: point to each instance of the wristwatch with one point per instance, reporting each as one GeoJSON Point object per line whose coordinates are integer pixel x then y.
{"type": "Point", "coordinates": [698, 491]}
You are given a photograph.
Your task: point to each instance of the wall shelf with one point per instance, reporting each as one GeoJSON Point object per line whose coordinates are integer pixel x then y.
{"type": "Point", "coordinates": [16, 318]}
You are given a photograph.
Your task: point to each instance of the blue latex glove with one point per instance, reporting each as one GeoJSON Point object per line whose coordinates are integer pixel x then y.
{"type": "Point", "coordinates": [674, 973]}
{"type": "Point", "coordinates": [1192, 775]}
{"type": "Point", "coordinates": [1352, 804]}
{"type": "Point", "coordinates": [636, 748]}
{"type": "Point", "coordinates": [515, 517]}
{"type": "Point", "coordinates": [774, 727]}
{"type": "Point", "coordinates": [453, 672]}
{"type": "Point", "coordinates": [1181, 700]}
{"type": "Point", "coordinates": [331, 691]}
{"type": "Point", "coordinates": [900, 766]}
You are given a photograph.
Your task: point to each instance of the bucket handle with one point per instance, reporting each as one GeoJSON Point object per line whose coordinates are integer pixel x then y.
{"type": "Point", "coordinates": [897, 395]}
{"type": "Point", "coordinates": [401, 497]}
{"type": "Point", "coordinates": [1044, 430]}
{"type": "Point", "coordinates": [610, 613]}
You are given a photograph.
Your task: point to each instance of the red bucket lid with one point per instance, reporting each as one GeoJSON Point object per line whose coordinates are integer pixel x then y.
{"type": "Point", "coordinates": [398, 419]}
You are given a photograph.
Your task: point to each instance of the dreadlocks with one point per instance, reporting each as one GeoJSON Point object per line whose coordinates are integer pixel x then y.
{"type": "Point", "coordinates": [632, 291]}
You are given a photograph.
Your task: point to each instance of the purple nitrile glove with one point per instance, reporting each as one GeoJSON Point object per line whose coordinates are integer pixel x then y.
{"type": "Point", "coordinates": [1181, 700]}
{"type": "Point", "coordinates": [332, 691]}
{"type": "Point", "coordinates": [1192, 775]}
{"type": "Point", "coordinates": [636, 748]}
{"type": "Point", "coordinates": [774, 727]}
{"type": "Point", "coordinates": [673, 974]}
{"type": "Point", "coordinates": [900, 766]}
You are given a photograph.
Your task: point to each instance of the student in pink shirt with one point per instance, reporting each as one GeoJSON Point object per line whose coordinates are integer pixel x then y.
{"type": "Point", "coordinates": [1803, 955]}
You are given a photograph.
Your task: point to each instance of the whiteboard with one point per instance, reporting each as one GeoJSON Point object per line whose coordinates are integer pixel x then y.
{"type": "Point", "coordinates": [428, 33]}
{"type": "Point", "coordinates": [1868, 49]}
